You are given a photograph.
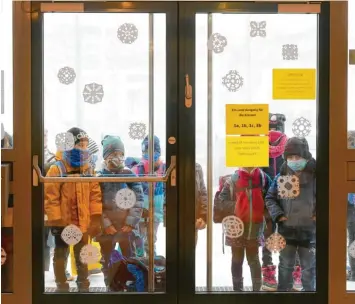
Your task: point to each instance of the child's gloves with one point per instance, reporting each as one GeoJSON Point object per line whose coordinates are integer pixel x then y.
{"type": "Point", "coordinates": [95, 225]}
{"type": "Point", "coordinates": [200, 224]}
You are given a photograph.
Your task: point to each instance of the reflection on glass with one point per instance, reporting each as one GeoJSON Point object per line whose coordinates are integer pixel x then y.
{"type": "Point", "coordinates": [264, 206]}
{"type": "Point", "coordinates": [350, 268]}
{"type": "Point", "coordinates": [97, 95]}
{"type": "Point", "coordinates": [6, 92]}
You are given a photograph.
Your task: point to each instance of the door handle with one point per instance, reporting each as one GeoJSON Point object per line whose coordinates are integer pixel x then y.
{"type": "Point", "coordinates": [39, 178]}
{"type": "Point", "coordinates": [188, 92]}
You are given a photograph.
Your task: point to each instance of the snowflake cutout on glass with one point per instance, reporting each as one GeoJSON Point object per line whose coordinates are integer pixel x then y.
{"type": "Point", "coordinates": [66, 75]}
{"type": "Point", "coordinates": [351, 250]}
{"type": "Point", "coordinates": [93, 93]}
{"type": "Point", "coordinates": [127, 33]}
{"type": "Point", "coordinates": [64, 141]}
{"type": "Point", "coordinates": [2, 131]}
{"type": "Point", "coordinates": [258, 29]}
{"type": "Point", "coordinates": [71, 235]}
{"type": "Point", "coordinates": [301, 127]}
{"type": "Point", "coordinates": [290, 52]}
{"type": "Point", "coordinates": [232, 226]}
{"type": "Point", "coordinates": [3, 256]}
{"type": "Point", "coordinates": [137, 130]}
{"type": "Point", "coordinates": [217, 43]}
{"type": "Point", "coordinates": [89, 254]}
{"type": "Point", "coordinates": [275, 243]}
{"type": "Point", "coordinates": [288, 186]}
{"type": "Point", "coordinates": [125, 198]}
{"type": "Point", "coordinates": [233, 81]}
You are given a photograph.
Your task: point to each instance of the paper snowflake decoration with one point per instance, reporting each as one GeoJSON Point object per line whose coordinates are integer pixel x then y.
{"type": "Point", "coordinates": [351, 250]}
{"type": "Point", "coordinates": [232, 226]}
{"type": "Point", "coordinates": [288, 186]}
{"type": "Point", "coordinates": [125, 198]}
{"type": "Point", "coordinates": [64, 141]}
{"type": "Point", "coordinates": [3, 256]}
{"type": "Point", "coordinates": [233, 81]}
{"type": "Point", "coordinates": [93, 93]}
{"type": "Point", "coordinates": [71, 235]}
{"type": "Point", "coordinates": [137, 130]}
{"type": "Point", "coordinates": [66, 75]}
{"type": "Point", "coordinates": [217, 43]}
{"type": "Point", "coordinates": [290, 52]}
{"type": "Point", "coordinates": [258, 29]}
{"type": "Point", "coordinates": [89, 254]}
{"type": "Point", "coordinates": [127, 33]}
{"type": "Point", "coordinates": [275, 243]}
{"type": "Point", "coordinates": [301, 127]}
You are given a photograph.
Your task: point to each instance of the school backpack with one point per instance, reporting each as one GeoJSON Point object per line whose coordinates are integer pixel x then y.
{"type": "Point", "coordinates": [223, 208]}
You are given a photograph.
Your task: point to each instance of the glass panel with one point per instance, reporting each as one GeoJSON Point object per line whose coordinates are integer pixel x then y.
{"type": "Point", "coordinates": [350, 266]}
{"type": "Point", "coordinates": [351, 75]}
{"type": "Point", "coordinates": [6, 74]}
{"type": "Point", "coordinates": [102, 74]}
{"type": "Point", "coordinates": [263, 229]}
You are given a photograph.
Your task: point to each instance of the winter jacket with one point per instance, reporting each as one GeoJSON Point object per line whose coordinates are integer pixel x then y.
{"type": "Point", "coordinates": [61, 199]}
{"type": "Point", "coordinates": [277, 142]}
{"type": "Point", "coordinates": [299, 211]}
{"type": "Point", "coordinates": [111, 213]}
{"type": "Point", "coordinates": [142, 169]}
{"type": "Point", "coordinates": [246, 201]}
{"type": "Point", "coordinates": [201, 195]}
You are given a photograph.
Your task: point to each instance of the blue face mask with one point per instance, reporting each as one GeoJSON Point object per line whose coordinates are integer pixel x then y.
{"type": "Point", "coordinates": [155, 157]}
{"type": "Point", "coordinates": [76, 157]}
{"type": "Point", "coordinates": [297, 165]}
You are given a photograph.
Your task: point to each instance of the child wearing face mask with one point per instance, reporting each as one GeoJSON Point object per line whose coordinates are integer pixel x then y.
{"type": "Point", "coordinates": [78, 204]}
{"type": "Point", "coordinates": [119, 221]}
{"type": "Point", "coordinates": [142, 169]}
{"type": "Point", "coordinates": [295, 212]}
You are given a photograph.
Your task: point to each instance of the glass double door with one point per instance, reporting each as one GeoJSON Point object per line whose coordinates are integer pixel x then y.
{"type": "Point", "coordinates": [174, 150]}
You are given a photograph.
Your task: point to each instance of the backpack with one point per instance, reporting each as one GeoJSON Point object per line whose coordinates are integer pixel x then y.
{"type": "Point", "coordinates": [131, 274]}
{"type": "Point", "coordinates": [223, 208]}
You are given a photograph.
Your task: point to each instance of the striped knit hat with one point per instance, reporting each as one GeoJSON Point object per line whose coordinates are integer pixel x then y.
{"type": "Point", "coordinates": [93, 147]}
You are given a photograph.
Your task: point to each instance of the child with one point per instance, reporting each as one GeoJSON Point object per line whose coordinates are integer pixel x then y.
{"type": "Point", "coordinates": [201, 201]}
{"type": "Point", "coordinates": [351, 233]}
{"type": "Point", "coordinates": [296, 215]}
{"type": "Point", "coordinates": [277, 142]}
{"type": "Point", "coordinates": [72, 203]}
{"type": "Point", "coordinates": [118, 223]}
{"type": "Point", "coordinates": [243, 196]}
{"type": "Point", "coordinates": [159, 195]}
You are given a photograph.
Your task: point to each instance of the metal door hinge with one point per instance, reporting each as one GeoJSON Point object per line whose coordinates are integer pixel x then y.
{"type": "Point", "coordinates": [188, 92]}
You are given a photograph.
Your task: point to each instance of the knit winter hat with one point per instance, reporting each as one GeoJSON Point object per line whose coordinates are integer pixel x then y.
{"type": "Point", "coordinates": [111, 144]}
{"type": "Point", "coordinates": [277, 122]}
{"type": "Point", "coordinates": [156, 144]}
{"type": "Point", "coordinates": [78, 134]}
{"type": "Point", "coordinates": [297, 146]}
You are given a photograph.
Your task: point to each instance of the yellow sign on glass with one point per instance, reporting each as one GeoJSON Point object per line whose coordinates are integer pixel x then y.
{"type": "Point", "coordinates": [247, 119]}
{"type": "Point", "coordinates": [247, 151]}
{"type": "Point", "coordinates": [294, 84]}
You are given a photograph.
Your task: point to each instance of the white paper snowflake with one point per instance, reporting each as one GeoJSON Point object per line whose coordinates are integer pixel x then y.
{"type": "Point", "coordinates": [71, 235]}
{"type": "Point", "coordinates": [258, 29]}
{"type": "Point", "coordinates": [64, 141]}
{"type": "Point", "coordinates": [233, 81]}
{"type": "Point", "coordinates": [66, 75]}
{"type": "Point", "coordinates": [351, 250]}
{"type": "Point", "coordinates": [232, 226]}
{"type": "Point", "coordinates": [2, 131]}
{"type": "Point", "coordinates": [125, 198]}
{"type": "Point", "coordinates": [301, 127]}
{"type": "Point", "coordinates": [3, 256]}
{"type": "Point", "coordinates": [275, 243]}
{"type": "Point", "coordinates": [127, 33]}
{"type": "Point", "coordinates": [290, 52]}
{"type": "Point", "coordinates": [217, 43]}
{"type": "Point", "coordinates": [93, 93]}
{"type": "Point", "coordinates": [89, 254]}
{"type": "Point", "coordinates": [137, 130]}
{"type": "Point", "coordinates": [288, 186]}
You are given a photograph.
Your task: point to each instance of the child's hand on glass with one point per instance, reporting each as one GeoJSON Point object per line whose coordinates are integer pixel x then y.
{"type": "Point", "coordinates": [111, 230]}
{"type": "Point", "coordinates": [127, 229]}
{"type": "Point", "coordinates": [200, 224]}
